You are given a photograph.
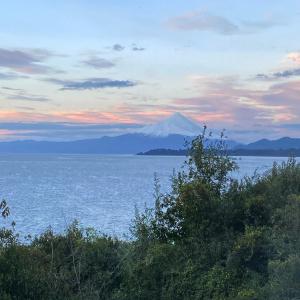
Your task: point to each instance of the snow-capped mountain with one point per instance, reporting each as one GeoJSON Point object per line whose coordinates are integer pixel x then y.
{"type": "Point", "coordinates": [171, 133]}
{"type": "Point", "coordinates": [175, 124]}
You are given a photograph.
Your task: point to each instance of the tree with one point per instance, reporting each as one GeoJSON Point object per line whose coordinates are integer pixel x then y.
{"type": "Point", "coordinates": [192, 208]}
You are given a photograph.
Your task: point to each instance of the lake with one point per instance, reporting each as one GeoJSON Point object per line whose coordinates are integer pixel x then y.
{"type": "Point", "coordinates": [99, 190]}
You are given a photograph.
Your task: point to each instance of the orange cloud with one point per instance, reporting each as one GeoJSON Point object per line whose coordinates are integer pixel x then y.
{"type": "Point", "coordinates": [219, 104]}
{"type": "Point", "coordinates": [92, 117]}
{"type": "Point", "coordinates": [12, 116]}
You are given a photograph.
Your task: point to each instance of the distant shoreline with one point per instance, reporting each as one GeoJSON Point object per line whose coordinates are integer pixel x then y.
{"type": "Point", "coordinates": [235, 152]}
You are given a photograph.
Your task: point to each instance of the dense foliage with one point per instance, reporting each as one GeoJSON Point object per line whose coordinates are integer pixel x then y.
{"type": "Point", "coordinates": [212, 237]}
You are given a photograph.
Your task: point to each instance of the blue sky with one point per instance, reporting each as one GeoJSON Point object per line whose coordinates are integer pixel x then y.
{"type": "Point", "coordinates": [76, 69]}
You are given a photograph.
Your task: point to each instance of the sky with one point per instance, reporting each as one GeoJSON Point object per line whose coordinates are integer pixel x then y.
{"type": "Point", "coordinates": [77, 69]}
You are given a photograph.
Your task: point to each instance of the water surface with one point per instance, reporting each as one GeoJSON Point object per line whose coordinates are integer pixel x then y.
{"type": "Point", "coordinates": [99, 190]}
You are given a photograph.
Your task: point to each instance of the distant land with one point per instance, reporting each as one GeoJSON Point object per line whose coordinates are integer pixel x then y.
{"type": "Point", "coordinates": [165, 152]}
{"type": "Point", "coordinates": [231, 152]}
{"type": "Point", "coordinates": [123, 144]}
{"type": "Point", "coordinates": [167, 137]}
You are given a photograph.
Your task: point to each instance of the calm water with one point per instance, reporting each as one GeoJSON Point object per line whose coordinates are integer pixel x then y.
{"type": "Point", "coordinates": [98, 190]}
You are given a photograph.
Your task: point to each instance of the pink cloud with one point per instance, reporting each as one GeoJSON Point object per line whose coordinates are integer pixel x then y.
{"type": "Point", "coordinates": [294, 57]}
{"type": "Point", "coordinates": [219, 103]}
{"type": "Point", "coordinates": [224, 103]}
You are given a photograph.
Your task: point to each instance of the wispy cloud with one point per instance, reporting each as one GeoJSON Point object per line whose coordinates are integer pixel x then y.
{"type": "Point", "coordinates": [83, 117]}
{"type": "Point", "coordinates": [200, 21]}
{"type": "Point", "coordinates": [21, 95]}
{"type": "Point", "coordinates": [26, 61]}
{"type": "Point", "coordinates": [60, 131]}
{"type": "Point", "coordinates": [98, 63]}
{"type": "Point", "coordinates": [26, 108]}
{"type": "Point", "coordinates": [92, 83]}
{"type": "Point", "coordinates": [204, 21]}
{"type": "Point", "coordinates": [259, 25]}
{"type": "Point", "coordinates": [11, 89]}
{"type": "Point", "coordinates": [29, 97]}
{"type": "Point", "coordinates": [11, 76]}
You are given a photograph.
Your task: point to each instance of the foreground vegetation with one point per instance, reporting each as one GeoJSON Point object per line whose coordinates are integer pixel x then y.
{"type": "Point", "coordinates": [212, 237]}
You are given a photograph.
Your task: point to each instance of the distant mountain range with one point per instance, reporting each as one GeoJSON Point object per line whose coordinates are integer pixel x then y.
{"type": "Point", "coordinates": [123, 144]}
{"type": "Point", "coordinates": [170, 134]}
{"type": "Point", "coordinates": [280, 144]}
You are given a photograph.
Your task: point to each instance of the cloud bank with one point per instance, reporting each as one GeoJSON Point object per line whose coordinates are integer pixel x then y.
{"type": "Point", "coordinates": [92, 83]}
